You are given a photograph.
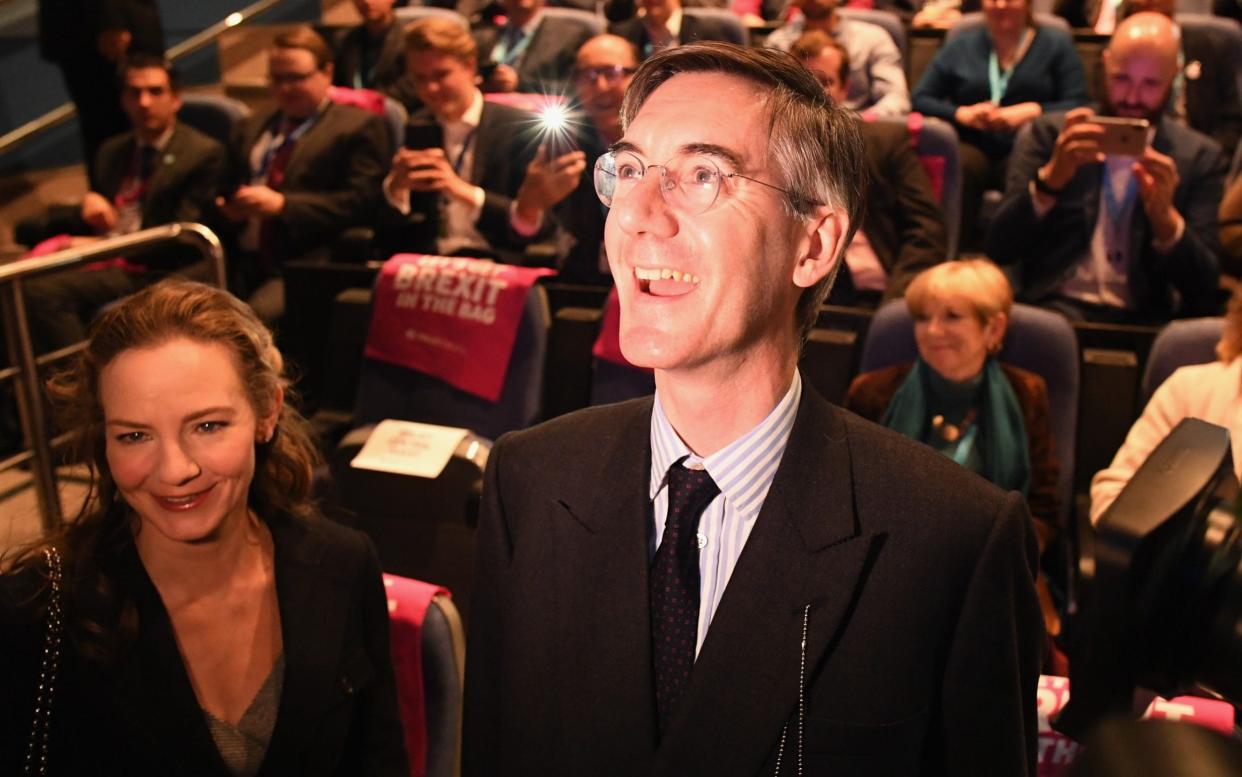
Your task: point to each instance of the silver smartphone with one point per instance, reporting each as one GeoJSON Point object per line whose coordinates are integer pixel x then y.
{"type": "Point", "coordinates": [1122, 137]}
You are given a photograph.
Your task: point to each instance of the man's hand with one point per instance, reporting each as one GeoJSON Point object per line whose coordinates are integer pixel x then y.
{"type": "Point", "coordinates": [1077, 145]}
{"type": "Point", "coordinates": [113, 44]}
{"type": "Point", "coordinates": [977, 116]}
{"type": "Point", "coordinates": [1157, 181]}
{"type": "Point", "coordinates": [1012, 117]}
{"type": "Point", "coordinates": [503, 79]}
{"type": "Point", "coordinates": [98, 213]}
{"type": "Point", "coordinates": [428, 170]}
{"type": "Point", "coordinates": [548, 182]}
{"type": "Point", "coordinates": [252, 202]}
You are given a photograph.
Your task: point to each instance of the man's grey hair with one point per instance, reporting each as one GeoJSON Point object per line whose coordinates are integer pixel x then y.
{"type": "Point", "coordinates": [815, 144]}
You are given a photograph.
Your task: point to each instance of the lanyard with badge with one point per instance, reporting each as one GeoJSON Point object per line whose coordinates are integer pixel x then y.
{"type": "Point", "coordinates": [512, 46]}
{"type": "Point", "coordinates": [274, 147]}
{"type": "Point", "coordinates": [998, 79]}
{"type": "Point", "coordinates": [1119, 208]}
{"type": "Point", "coordinates": [133, 190]}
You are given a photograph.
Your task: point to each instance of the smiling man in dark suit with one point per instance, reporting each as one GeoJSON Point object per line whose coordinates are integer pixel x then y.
{"type": "Point", "coordinates": [735, 577]}
{"type": "Point", "coordinates": [304, 171]}
{"type": "Point", "coordinates": [453, 185]}
{"type": "Point", "coordinates": [159, 172]}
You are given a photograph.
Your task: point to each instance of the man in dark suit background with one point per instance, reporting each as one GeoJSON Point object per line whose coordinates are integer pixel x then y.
{"type": "Point", "coordinates": [453, 186]}
{"type": "Point", "coordinates": [903, 232]}
{"type": "Point", "coordinates": [303, 172]}
{"type": "Point", "coordinates": [735, 577]}
{"type": "Point", "coordinates": [371, 55]}
{"type": "Point", "coordinates": [531, 52]}
{"type": "Point", "coordinates": [603, 69]}
{"type": "Point", "coordinates": [159, 172]}
{"type": "Point", "coordinates": [660, 24]}
{"type": "Point", "coordinates": [1116, 238]}
{"type": "Point", "coordinates": [88, 39]}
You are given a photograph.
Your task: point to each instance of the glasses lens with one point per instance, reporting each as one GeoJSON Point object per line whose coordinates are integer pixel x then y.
{"type": "Point", "coordinates": [693, 183]}
{"type": "Point", "coordinates": [606, 178]}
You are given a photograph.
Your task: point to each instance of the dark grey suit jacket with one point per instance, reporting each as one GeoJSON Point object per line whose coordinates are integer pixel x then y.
{"type": "Point", "coordinates": [183, 184]}
{"type": "Point", "coordinates": [388, 69]}
{"type": "Point", "coordinates": [333, 178]}
{"type": "Point", "coordinates": [548, 62]}
{"type": "Point", "coordinates": [693, 29]}
{"type": "Point", "coordinates": [924, 636]}
{"type": "Point", "coordinates": [1044, 252]}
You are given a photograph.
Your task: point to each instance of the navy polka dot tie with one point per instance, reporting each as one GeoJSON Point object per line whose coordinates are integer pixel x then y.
{"type": "Point", "coordinates": [674, 584]}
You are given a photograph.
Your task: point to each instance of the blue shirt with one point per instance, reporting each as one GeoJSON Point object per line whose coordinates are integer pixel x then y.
{"type": "Point", "coordinates": [743, 470]}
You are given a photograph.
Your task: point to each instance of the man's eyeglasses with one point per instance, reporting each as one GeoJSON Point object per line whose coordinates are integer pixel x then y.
{"type": "Point", "coordinates": [289, 79]}
{"type": "Point", "coordinates": [610, 73]}
{"type": "Point", "coordinates": [689, 183]}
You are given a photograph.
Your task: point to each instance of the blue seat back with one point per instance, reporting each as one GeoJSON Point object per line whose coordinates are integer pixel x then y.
{"type": "Point", "coordinates": [1180, 343]}
{"type": "Point", "coordinates": [213, 115]}
{"type": "Point", "coordinates": [390, 391]}
{"type": "Point", "coordinates": [734, 30]}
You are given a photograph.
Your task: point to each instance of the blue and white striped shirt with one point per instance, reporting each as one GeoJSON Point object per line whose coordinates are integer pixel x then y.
{"type": "Point", "coordinates": [743, 470]}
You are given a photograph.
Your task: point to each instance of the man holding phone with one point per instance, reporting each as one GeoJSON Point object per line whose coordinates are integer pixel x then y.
{"type": "Point", "coordinates": [1101, 226]}
{"type": "Point", "coordinates": [454, 182]}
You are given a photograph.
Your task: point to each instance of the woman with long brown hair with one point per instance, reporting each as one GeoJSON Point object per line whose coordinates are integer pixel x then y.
{"type": "Point", "coordinates": [198, 617]}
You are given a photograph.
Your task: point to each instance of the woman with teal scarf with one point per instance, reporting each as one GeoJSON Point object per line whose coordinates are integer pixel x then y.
{"type": "Point", "coordinates": [958, 398]}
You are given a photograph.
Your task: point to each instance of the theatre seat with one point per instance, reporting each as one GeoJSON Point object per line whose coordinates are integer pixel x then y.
{"type": "Point", "coordinates": [213, 115]}
{"type": "Point", "coordinates": [389, 391]}
{"type": "Point", "coordinates": [1179, 344]}
{"type": "Point", "coordinates": [425, 528]}
{"type": "Point", "coordinates": [429, 651]}
{"type": "Point", "coordinates": [731, 24]}
{"type": "Point", "coordinates": [410, 13]}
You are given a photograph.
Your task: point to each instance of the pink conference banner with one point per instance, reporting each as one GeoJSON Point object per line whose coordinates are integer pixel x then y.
{"type": "Point", "coordinates": [453, 318]}
{"type": "Point", "coordinates": [1057, 751]}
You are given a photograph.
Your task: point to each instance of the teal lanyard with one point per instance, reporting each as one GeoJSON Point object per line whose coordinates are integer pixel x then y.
{"type": "Point", "coordinates": [1118, 209]}
{"type": "Point", "coordinates": [512, 46]}
{"type": "Point", "coordinates": [998, 79]}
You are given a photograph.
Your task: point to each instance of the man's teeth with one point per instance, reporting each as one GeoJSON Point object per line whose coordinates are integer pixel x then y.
{"type": "Point", "coordinates": [665, 274]}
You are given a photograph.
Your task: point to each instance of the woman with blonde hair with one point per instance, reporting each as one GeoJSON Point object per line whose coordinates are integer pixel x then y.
{"type": "Point", "coordinates": [198, 616]}
{"type": "Point", "coordinates": [960, 399]}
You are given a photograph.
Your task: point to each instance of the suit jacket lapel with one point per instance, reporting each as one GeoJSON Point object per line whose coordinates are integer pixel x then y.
{"type": "Point", "coordinates": [482, 142]}
{"type": "Point", "coordinates": [604, 645]}
{"type": "Point", "coordinates": [309, 143]}
{"type": "Point", "coordinates": [805, 550]}
{"type": "Point", "coordinates": [313, 625]}
{"type": "Point", "coordinates": [161, 176]}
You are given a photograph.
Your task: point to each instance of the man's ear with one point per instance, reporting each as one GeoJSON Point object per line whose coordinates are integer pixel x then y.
{"type": "Point", "coordinates": [822, 245]}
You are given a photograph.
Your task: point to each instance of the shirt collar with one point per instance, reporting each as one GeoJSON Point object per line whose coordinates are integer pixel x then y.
{"type": "Point", "coordinates": [727, 466]}
{"type": "Point", "coordinates": [161, 142]}
{"type": "Point", "coordinates": [473, 114]}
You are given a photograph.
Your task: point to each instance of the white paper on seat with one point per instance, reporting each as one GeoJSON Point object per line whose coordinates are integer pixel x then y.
{"type": "Point", "coordinates": [409, 448]}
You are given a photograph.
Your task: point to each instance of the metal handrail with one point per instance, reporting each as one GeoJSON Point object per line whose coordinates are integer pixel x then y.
{"type": "Point", "coordinates": [64, 112]}
{"type": "Point", "coordinates": [21, 352]}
